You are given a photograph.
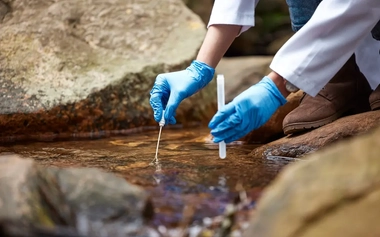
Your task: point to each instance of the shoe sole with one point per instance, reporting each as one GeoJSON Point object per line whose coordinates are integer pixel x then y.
{"type": "Point", "coordinates": [304, 126]}
{"type": "Point", "coordinates": [375, 105]}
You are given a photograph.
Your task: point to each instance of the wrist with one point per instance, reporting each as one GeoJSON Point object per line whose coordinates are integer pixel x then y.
{"type": "Point", "coordinates": [280, 83]}
{"type": "Point", "coordinates": [218, 39]}
{"type": "Point", "coordinates": [204, 72]}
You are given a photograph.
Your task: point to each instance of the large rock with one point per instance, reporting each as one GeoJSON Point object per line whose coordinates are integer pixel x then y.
{"type": "Point", "coordinates": [334, 192]}
{"type": "Point", "coordinates": [84, 199]}
{"type": "Point", "coordinates": [88, 66]}
{"type": "Point", "coordinates": [296, 146]}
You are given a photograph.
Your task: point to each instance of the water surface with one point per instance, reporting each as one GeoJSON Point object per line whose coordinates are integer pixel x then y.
{"type": "Point", "coordinates": [190, 173]}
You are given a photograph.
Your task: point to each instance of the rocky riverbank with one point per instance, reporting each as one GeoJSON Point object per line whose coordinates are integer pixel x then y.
{"type": "Point", "coordinates": [72, 69]}
{"type": "Point", "coordinates": [79, 67]}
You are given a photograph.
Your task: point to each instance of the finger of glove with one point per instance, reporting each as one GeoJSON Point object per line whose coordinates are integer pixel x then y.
{"type": "Point", "coordinates": [232, 121]}
{"type": "Point", "coordinates": [221, 115]}
{"type": "Point", "coordinates": [172, 105]}
{"type": "Point", "coordinates": [226, 135]}
{"type": "Point", "coordinates": [156, 104]}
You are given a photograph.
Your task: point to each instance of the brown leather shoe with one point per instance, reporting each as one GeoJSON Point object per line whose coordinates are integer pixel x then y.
{"type": "Point", "coordinates": [347, 92]}
{"type": "Point", "coordinates": [374, 99]}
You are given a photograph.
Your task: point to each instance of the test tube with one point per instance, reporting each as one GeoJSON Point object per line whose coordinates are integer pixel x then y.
{"type": "Point", "coordinates": [221, 101]}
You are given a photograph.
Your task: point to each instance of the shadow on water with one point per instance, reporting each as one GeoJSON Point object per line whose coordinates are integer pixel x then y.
{"type": "Point", "coordinates": [191, 174]}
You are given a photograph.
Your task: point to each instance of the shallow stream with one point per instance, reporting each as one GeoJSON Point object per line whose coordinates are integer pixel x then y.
{"type": "Point", "coordinates": [190, 172]}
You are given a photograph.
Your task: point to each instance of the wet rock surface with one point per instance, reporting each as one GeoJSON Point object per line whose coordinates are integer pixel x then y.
{"type": "Point", "coordinates": [81, 201]}
{"type": "Point", "coordinates": [296, 146]}
{"type": "Point", "coordinates": [334, 192]}
{"type": "Point", "coordinates": [86, 67]}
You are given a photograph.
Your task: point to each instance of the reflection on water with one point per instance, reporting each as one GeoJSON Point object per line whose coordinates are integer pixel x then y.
{"type": "Point", "coordinates": [190, 174]}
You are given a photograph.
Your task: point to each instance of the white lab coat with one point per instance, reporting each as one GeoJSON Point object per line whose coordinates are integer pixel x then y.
{"type": "Point", "coordinates": [315, 53]}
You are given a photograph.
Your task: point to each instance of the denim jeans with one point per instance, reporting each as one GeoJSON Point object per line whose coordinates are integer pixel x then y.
{"type": "Point", "coordinates": [300, 12]}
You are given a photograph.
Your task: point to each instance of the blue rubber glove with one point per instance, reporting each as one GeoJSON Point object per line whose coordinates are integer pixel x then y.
{"type": "Point", "coordinates": [248, 111]}
{"type": "Point", "coordinates": [171, 88]}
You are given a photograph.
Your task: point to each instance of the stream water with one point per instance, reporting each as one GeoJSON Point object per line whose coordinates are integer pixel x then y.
{"type": "Point", "coordinates": [190, 173]}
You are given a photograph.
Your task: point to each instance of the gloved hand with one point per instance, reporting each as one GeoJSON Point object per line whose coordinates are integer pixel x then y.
{"type": "Point", "coordinates": [171, 88]}
{"type": "Point", "coordinates": [248, 111]}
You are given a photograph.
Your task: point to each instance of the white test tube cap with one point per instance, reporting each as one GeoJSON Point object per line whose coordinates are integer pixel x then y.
{"type": "Point", "coordinates": [221, 102]}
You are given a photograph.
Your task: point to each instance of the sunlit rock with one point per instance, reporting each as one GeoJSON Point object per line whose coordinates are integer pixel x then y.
{"type": "Point", "coordinates": [335, 192]}
{"type": "Point", "coordinates": [88, 66]}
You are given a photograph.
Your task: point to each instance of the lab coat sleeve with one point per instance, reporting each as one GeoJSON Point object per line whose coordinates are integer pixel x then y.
{"type": "Point", "coordinates": [320, 48]}
{"type": "Point", "coordinates": [368, 59]}
{"type": "Point", "coordinates": [234, 12]}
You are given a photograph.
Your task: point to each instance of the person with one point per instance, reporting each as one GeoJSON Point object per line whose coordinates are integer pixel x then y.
{"type": "Point", "coordinates": [347, 92]}
{"type": "Point", "coordinates": [308, 60]}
